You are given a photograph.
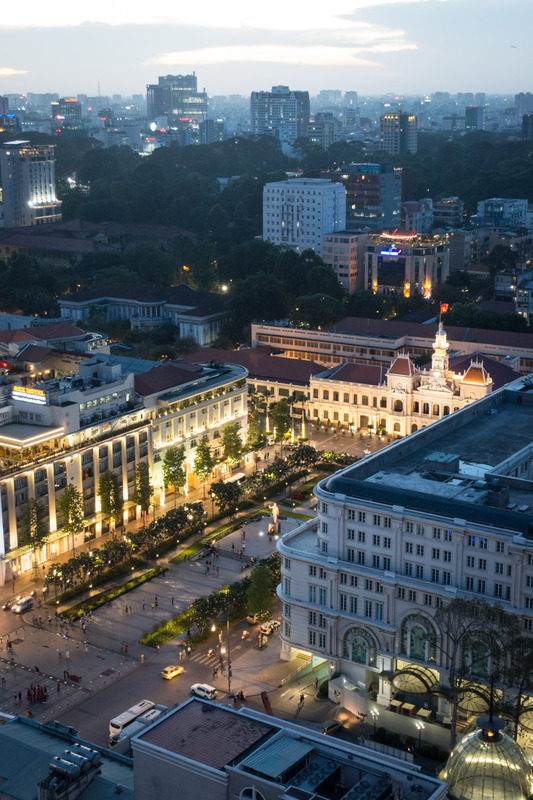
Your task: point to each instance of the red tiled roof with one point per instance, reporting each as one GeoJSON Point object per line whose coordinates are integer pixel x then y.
{"type": "Point", "coordinates": [393, 329]}
{"type": "Point", "coordinates": [369, 374]}
{"type": "Point", "coordinates": [402, 365]}
{"type": "Point", "coordinates": [498, 372]}
{"type": "Point", "coordinates": [34, 353]}
{"type": "Point", "coordinates": [165, 376]}
{"type": "Point", "coordinates": [261, 364]}
{"type": "Point", "coordinates": [60, 330]}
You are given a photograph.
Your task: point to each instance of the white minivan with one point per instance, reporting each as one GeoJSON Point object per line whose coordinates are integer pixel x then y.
{"type": "Point", "coordinates": [204, 691]}
{"type": "Point", "coordinates": [22, 605]}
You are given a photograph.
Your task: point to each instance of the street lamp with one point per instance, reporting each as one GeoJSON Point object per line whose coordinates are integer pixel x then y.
{"type": "Point", "coordinates": [420, 726]}
{"type": "Point", "coordinates": [375, 715]}
{"type": "Point", "coordinates": [362, 716]}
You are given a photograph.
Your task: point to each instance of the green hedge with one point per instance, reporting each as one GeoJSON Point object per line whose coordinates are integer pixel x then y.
{"type": "Point", "coordinates": [217, 534]}
{"type": "Point", "coordinates": [98, 580]}
{"type": "Point", "coordinates": [97, 600]}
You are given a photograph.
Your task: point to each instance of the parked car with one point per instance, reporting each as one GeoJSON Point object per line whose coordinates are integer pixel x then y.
{"type": "Point", "coordinates": [22, 605]}
{"type": "Point", "coordinates": [270, 626]}
{"type": "Point", "coordinates": [204, 691]}
{"type": "Point", "coordinates": [332, 726]}
{"type": "Point", "coordinates": [171, 672]}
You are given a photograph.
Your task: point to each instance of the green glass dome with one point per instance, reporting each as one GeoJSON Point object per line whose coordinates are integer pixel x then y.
{"type": "Point", "coordinates": [488, 765]}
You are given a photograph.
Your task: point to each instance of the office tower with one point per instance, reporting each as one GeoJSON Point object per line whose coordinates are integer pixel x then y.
{"type": "Point", "coordinates": [474, 118]}
{"type": "Point", "coordinates": [345, 253]}
{"type": "Point", "coordinates": [4, 106]}
{"type": "Point", "coordinates": [282, 113]}
{"type": "Point", "coordinates": [527, 126]}
{"type": "Point", "coordinates": [323, 129]}
{"type": "Point", "coordinates": [67, 108]}
{"type": "Point", "coordinates": [399, 135]}
{"type": "Point", "coordinates": [297, 212]}
{"type": "Point", "coordinates": [28, 184]}
{"type": "Point", "coordinates": [350, 98]}
{"type": "Point", "coordinates": [373, 194]}
{"type": "Point", "coordinates": [524, 103]}
{"type": "Point", "coordinates": [329, 97]}
{"type": "Point", "coordinates": [177, 98]}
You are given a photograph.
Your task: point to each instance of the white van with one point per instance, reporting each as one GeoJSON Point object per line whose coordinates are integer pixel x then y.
{"type": "Point", "coordinates": [204, 691]}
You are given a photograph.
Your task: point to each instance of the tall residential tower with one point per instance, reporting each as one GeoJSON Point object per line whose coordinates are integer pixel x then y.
{"type": "Point", "coordinates": [28, 184]}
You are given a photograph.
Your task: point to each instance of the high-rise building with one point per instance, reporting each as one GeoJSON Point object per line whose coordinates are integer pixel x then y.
{"type": "Point", "coordinates": [527, 126]}
{"type": "Point", "coordinates": [524, 103]}
{"type": "Point", "coordinates": [282, 113]}
{"type": "Point", "coordinates": [373, 194]}
{"type": "Point", "coordinates": [324, 129]}
{"type": "Point", "coordinates": [28, 184]}
{"type": "Point", "coordinates": [297, 212]}
{"type": "Point", "coordinates": [474, 116]}
{"type": "Point", "coordinates": [399, 136]}
{"type": "Point", "coordinates": [66, 108]}
{"type": "Point", "coordinates": [350, 98]}
{"type": "Point", "coordinates": [177, 98]}
{"type": "Point", "coordinates": [345, 253]}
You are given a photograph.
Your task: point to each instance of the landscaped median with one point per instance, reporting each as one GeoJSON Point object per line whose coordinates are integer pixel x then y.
{"type": "Point", "coordinates": [219, 533]}
{"type": "Point", "coordinates": [101, 599]}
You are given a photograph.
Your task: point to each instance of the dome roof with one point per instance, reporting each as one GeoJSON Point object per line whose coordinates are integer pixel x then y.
{"type": "Point", "coordinates": [476, 373]}
{"type": "Point", "coordinates": [487, 765]}
{"type": "Point", "coordinates": [402, 365]}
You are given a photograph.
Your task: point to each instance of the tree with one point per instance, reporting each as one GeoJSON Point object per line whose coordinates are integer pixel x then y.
{"type": "Point", "coordinates": [111, 497]}
{"type": "Point", "coordinates": [203, 462]}
{"type": "Point", "coordinates": [469, 625]}
{"type": "Point", "coordinates": [71, 507]}
{"type": "Point", "coordinates": [256, 437]}
{"type": "Point", "coordinates": [227, 496]}
{"type": "Point", "coordinates": [143, 489]}
{"type": "Point", "coordinates": [318, 310]}
{"type": "Point", "coordinates": [33, 530]}
{"type": "Point", "coordinates": [518, 673]}
{"type": "Point", "coordinates": [281, 419]}
{"type": "Point", "coordinates": [231, 442]}
{"type": "Point", "coordinates": [259, 594]}
{"type": "Point", "coordinates": [173, 468]}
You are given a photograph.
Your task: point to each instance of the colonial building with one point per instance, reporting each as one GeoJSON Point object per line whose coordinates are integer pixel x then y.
{"type": "Point", "coordinates": [445, 513]}
{"type": "Point", "coordinates": [72, 429]}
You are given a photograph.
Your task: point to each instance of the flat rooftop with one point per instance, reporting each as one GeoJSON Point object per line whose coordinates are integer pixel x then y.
{"type": "Point", "coordinates": [207, 733]}
{"type": "Point", "coordinates": [473, 465]}
{"type": "Point", "coordinates": [20, 435]}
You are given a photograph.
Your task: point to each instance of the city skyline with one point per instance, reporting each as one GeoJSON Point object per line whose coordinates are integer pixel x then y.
{"type": "Point", "coordinates": [371, 46]}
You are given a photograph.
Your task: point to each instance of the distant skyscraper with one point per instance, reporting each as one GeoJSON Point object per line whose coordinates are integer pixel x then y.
{"type": "Point", "coordinates": [373, 194]}
{"type": "Point", "coordinates": [399, 135]}
{"type": "Point", "coordinates": [474, 116]}
{"type": "Point", "coordinates": [297, 212]}
{"type": "Point", "coordinates": [524, 103]}
{"type": "Point", "coordinates": [329, 96]}
{"type": "Point", "coordinates": [177, 98]}
{"type": "Point", "coordinates": [527, 126]}
{"type": "Point", "coordinates": [28, 184]}
{"type": "Point", "coordinates": [282, 113]}
{"type": "Point", "coordinates": [350, 98]}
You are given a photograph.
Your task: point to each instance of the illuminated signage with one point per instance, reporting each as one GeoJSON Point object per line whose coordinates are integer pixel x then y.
{"type": "Point", "coordinates": [391, 252]}
{"type": "Point", "coordinates": [29, 394]}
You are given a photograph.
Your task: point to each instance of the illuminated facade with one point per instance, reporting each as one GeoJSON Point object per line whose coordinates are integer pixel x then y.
{"type": "Point", "coordinates": [398, 134]}
{"type": "Point", "coordinates": [373, 194]}
{"type": "Point", "coordinates": [405, 263]}
{"type": "Point", "coordinates": [177, 98]}
{"type": "Point", "coordinates": [68, 431]}
{"type": "Point", "coordinates": [282, 113]}
{"type": "Point", "coordinates": [441, 514]}
{"type": "Point", "coordinates": [28, 184]}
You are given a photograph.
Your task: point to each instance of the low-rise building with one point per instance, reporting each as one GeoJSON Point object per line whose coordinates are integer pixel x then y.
{"type": "Point", "coordinates": [344, 252]}
{"type": "Point", "coordinates": [417, 215]}
{"type": "Point", "coordinates": [198, 315]}
{"type": "Point", "coordinates": [446, 513]}
{"type": "Point", "coordinates": [72, 429]}
{"type": "Point", "coordinates": [223, 754]}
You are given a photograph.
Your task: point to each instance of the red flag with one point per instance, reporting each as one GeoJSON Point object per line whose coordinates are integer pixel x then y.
{"type": "Point", "coordinates": [444, 308]}
{"type": "Point", "coordinates": [5, 365]}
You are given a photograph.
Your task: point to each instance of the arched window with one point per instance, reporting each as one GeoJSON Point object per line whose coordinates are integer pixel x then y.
{"type": "Point", "coordinates": [360, 646]}
{"type": "Point", "coordinates": [416, 407]}
{"type": "Point", "coordinates": [479, 658]}
{"type": "Point", "coordinates": [364, 400]}
{"type": "Point", "coordinates": [396, 428]}
{"type": "Point", "coordinates": [445, 411]}
{"type": "Point", "coordinates": [251, 793]}
{"type": "Point", "coordinates": [436, 410]}
{"type": "Point", "coordinates": [419, 638]}
{"type": "Point", "coordinates": [398, 405]}
{"type": "Point", "coordinates": [414, 428]}
{"type": "Point", "coordinates": [425, 408]}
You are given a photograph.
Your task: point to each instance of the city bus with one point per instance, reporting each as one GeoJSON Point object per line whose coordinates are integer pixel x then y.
{"type": "Point", "coordinates": [117, 724]}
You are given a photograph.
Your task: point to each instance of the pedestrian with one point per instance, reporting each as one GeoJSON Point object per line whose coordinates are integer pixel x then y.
{"type": "Point", "coordinates": [131, 610]}
{"type": "Point", "coordinates": [40, 619]}
{"type": "Point", "coordinates": [15, 697]}
{"type": "Point", "coordinates": [125, 649]}
{"type": "Point", "coordinates": [188, 632]}
{"type": "Point", "coordinates": [125, 609]}
{"type": "Point", "coordinates": [77, 645]}
{"type": "Point", "coordinates": [67, 654]}
{"type": "Point", "coordinates": [58, 686]}
{"type": "Point", "coordinates": [58, 652]}
{"type": "Point", "coordinates": [233, 545]}
{"type": "Point", "coordinates": [144, 604]}
{"type": "Point", "coordinates": [152, 606]}
{"type": "Point", "coordinates": [215, 673]}
{"type": "Point", "coordinates": [142, 658]}
{"type": "Point", "coordinates": [172, 600]}
{"type": "Point", "coordinates": [218, 571]}
{"type": "Point", "coordinates": [3, 677]}
{"type": "Point", "coordinates": [244, 547]}
{"type": "Point", "coordinates": [122, 647]}
{"type": "Point", "coordinates": [156, 601]}
{"type": "Point", "coordinates": [302, 698]}
{"type": "Point", "coordinates": [20, 697]}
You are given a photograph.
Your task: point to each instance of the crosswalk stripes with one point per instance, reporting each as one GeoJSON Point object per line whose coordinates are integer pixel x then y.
{"type": "Point", "coordinates": [203, 658]}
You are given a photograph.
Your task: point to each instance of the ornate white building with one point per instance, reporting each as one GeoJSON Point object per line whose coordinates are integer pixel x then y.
{"type": "Point", "coordinates": [444, 513]}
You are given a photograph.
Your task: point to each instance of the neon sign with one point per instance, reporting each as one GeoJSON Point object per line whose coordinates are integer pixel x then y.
{"type": "Point", "coordinates": [28, 394]}
{"type": "Point", "coordinates": [394, 251]}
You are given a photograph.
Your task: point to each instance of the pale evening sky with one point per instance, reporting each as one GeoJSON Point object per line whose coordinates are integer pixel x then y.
{"type": "Point", "coordinates": [372, 46]}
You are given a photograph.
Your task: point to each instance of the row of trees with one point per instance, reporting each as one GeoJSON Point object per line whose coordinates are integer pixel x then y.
{"type": "Point", "coordinates": [85, 566]}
